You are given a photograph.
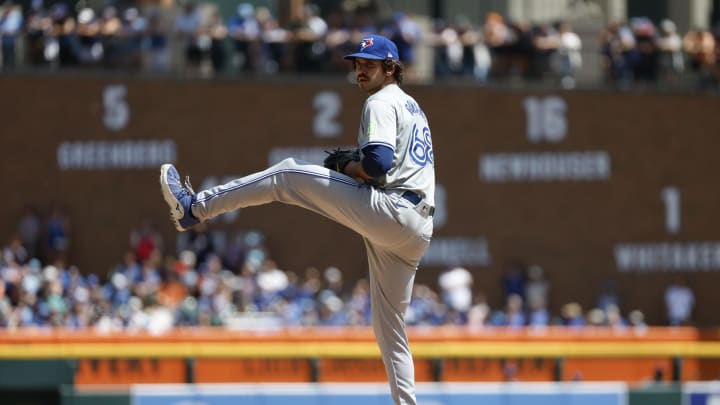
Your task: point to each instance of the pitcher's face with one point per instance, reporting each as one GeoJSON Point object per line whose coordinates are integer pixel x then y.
{"type": "Point", "coordinates": [370, 75]}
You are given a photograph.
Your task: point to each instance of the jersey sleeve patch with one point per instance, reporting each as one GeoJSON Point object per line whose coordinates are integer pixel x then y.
{"type": "Point", "coordinates": [372, 130]}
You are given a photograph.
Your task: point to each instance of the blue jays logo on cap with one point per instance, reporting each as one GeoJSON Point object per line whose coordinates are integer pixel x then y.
{"type": "Point", "coordinates": [375, 47]}
{"type": "Point", "coordinates": [366, 42]}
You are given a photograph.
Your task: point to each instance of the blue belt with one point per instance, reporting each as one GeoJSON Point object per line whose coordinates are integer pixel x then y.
{"type": "Point", "coordinates": [415, 200]}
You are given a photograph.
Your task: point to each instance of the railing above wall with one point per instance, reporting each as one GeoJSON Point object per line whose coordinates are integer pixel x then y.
{"type": "Point", "coordinates": [358, 342]}
{"type": "Point", "coordinates": [339, 354]}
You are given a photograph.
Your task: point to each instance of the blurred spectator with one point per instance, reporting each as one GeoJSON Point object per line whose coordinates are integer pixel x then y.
{"type": "Point", "coordinates": [244, 30]}
{"type": "Point", "coordinates": [38, 27]}
{"type": "Point", "coordinates": [172, 291]}
{"type": "Point", "coordinates": [525, 60]}
{"type": "Point", "coordinates": [187, 32]}
{"type": "Point", "coordinates": [210, 310]}
{"type": "Point", "coordinates": [29, 230]}
{"type": "Point", "coordinates": [515, 311]}
{"type": "Point", "coordinates": [636, 318]}
{"type": "Point", "coordinates": [308, 35]}
{"type": "Point", "coordinates": [404, 30]}
{"type": "Point", "coordinates": [158, 47]}
{"type": "Point", "coordinates": [498, 38]}
{"type": "Point", "coordinates": [289, 311]}
{"type": "Point", "coordinates": [671, 62]}
{"type": "Point", "coordinates": [145, 240]}
{"type": "Point", "coordinates": [476, 55]}
{"type": "Point", "coordinates": [218, 33]}
{"type": "Point", "coordinates": [110, 37]}
{"type": "Point", "coordinates": [90, 46]}
{"type": "Point", "coordinates": [513, 279]}
{"type": "Point", "coordinates": [460, 51]}
{"type": "Point", "coordinates": [645, 56]}
{"type": "Point", "coordinates": [57, 234]}
{"type": "Point", "coordinates": [425, 307]}
{"type": "Point", "coordinates": [338, 42]}
{"type": "Point", "coordinates": [303, 297]}
{"type": "Point", "coordinates": [61, 47]}
{"type": "Point", "coordinates": [331, 310]}
{"type": "Point", "coordinates": [188, 313]}
{"type": "Point", "coordinates": [447, 50]}
{"type": "Point", "coordinates": [234, 253]}
{"type": "Point", "coordinates": [479, 313]}
{"type": "Point", "coordinates": [272, 282]}
{"type": "Point", "coordinates": [6, 307]}
{"type": "Point", "coordinates": [537, 287]}
{"type": "Point", "coordinates": [274, 50]}
{"type": "Point", "coordinates": [334, 280]}
{"type": "Point", "coordinates": [538, 313]}
{"type": "Point", "coordinates": [545, 42]}
{"type": "Point", "coordinates": [362, 26]}
{"type": "Point", "coordinates": [11, 25]}
{"type": "Point", "coordinates": [617, 46]}
{"type": "Point", "coordinates": [130, 267]}
{"type": "Point", "coordinates": [608, 295]}
{"type": "Point", "coordinates": [595, 317]}
{"type": "Point", "coordinates": [359, 304]}
{"type": "Point", "coordinates": [569, 55]}
{"type": "Point", "coordinates": [312, 285]}
{"type": "Point", "coordinates": [133, 31]}
{"type": "Point", "coordinates": [679, 302]}
{"type": "Point", "coordinates": [572, 315]}
{"type": "Point", "coordinates": [150, 277]}
{"type": "Point", "coordinates": [201, 241]}
{"type": "Point", "coordinates": [14, 252]}
{"type": "Point", "coordinates": [117, 292]}
{"type": "Point", "coordinates": [456, 290]}
{"type": "Point", "coordinates": [701, 48]}
{"type": "Point", "coordinates": [56, 305]}
{"type": "Point", "coordinates": [614, 318]}
{"type": "Point", "coordinates": [513, 315]}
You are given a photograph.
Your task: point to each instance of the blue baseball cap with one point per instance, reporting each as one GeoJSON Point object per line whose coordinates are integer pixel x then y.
{"type": "Point", "coordinates": [375, 47]}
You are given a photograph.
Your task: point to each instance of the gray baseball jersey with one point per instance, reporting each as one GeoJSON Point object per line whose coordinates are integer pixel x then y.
{"type": "Point", "coordinates": [392, 118]}
{"type": "Point", "coordinates": [393, 216]}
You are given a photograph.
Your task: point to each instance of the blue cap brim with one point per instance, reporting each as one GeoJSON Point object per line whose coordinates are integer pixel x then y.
{"type": "Point", "coordinates": [363, 55]}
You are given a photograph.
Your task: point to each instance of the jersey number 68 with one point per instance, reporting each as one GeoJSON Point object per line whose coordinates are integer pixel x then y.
{"type": "Point", "coordinates": [421, 150]}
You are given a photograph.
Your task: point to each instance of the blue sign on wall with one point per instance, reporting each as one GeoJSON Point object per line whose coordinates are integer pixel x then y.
{"type": "Point", "coordinates": [378, 394]}
{"type": "Point", "coordinates": [701, 393]}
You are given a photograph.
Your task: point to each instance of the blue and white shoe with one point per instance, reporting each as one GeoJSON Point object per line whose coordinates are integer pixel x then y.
{"type": "Point", "coordinates": [178, 197]}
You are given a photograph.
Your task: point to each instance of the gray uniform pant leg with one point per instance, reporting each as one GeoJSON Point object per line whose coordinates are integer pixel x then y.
{"type": "Point", "coordinates": [391, 283]}
{"type": "Point", "coordinates": [291, 182]}
{"type": "Point", "coordinates": [395, 237]}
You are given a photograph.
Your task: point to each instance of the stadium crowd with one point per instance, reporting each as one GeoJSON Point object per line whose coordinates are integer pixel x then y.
{"type": "Point", "coordinates": [196, 38]}
{"type": "Point", "coordinates": [232, 280]}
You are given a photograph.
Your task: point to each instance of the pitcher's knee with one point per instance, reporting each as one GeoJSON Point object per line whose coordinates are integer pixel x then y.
{"type": "Point", "coordinates": [288, 163]}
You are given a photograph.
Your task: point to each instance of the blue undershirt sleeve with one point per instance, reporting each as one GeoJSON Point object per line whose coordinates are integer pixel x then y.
{"type": "Point", "coordinates": [377, 159]}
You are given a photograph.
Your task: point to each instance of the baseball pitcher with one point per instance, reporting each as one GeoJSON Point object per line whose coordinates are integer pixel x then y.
{"type": "Point", "coordinates": [384, 191]}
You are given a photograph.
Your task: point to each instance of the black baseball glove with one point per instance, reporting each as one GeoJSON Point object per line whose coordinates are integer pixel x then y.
{"type": "Point", "coordinates": [339, 158]}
